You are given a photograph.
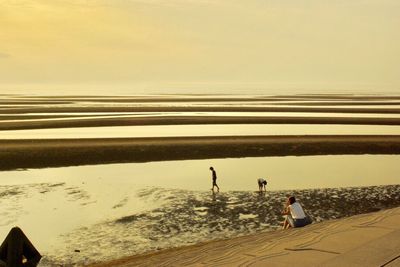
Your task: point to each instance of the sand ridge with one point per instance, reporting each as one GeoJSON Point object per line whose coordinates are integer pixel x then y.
{"type": "Point", "coordinates": [190, 120]}
{"type": "Point", "coordinates": [73, 152]}
{"type": "Point", "coordinates": [32, 112]}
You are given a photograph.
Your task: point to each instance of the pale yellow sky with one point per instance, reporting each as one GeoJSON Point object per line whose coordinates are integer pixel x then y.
{"type": "Point", "coordinates": [167, 43]}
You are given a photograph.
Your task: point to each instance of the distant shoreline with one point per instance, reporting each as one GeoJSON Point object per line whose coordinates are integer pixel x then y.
{"type": "Point", "coordinates": [35, 153]}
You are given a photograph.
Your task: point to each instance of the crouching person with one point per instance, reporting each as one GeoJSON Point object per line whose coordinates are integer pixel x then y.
{"type": "Point", "coordinates": [295, 215]}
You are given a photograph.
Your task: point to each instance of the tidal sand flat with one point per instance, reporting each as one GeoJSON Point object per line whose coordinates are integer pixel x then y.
{"type": "Point", "coordinates": [44, 131]}
{"type": "Point", "coordinates": [362, 240]}
{"type": "Point", "coordinates": [93, 179]}
{"type": "Point", "coordinates": [182, 218]}
{"type": "Point", "coordinates": [111, 211]}
{"type": "Point", "coordinates": [27, 112]}
{"type": "Point", "coordinates": [40, 153]}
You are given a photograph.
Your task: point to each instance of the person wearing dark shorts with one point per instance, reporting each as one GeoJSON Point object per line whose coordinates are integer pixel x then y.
{"type": "Point", "coordinates": [214, 179]}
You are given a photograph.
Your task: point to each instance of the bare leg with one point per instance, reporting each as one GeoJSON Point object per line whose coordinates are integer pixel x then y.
{"type": "Point", "coordinates": [285, 224]}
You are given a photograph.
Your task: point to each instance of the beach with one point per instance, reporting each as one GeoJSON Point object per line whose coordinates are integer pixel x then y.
{"type": "Point", "coordinates": [364, 240]}
{"type": "Point", "coordinates": [124, 180]}
{"type": "Point", "coordinates": [140, 132]}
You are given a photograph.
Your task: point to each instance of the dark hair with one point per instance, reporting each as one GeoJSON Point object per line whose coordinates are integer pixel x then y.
{"type": "Point", "coordinates": [265, 182]}
{"type": "Point", "coordinates": [211, 168]}
{"type": "Point", "coordinates": [292, 199]}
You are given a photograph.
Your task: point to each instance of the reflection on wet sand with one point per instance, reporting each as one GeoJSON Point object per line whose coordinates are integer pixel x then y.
{"type": "Point", "coordinates": [213, 196]}
{"type": "Point", "coordinates": [25, 112]}
{"type": "Point", "coordinates": [189, 217]}
{"type": "Point", "coordinates": [200, 130]}
{"type": "Point", "coordinates": [79, 215]}
{"type": "Point", "coordinates": [88, 209]}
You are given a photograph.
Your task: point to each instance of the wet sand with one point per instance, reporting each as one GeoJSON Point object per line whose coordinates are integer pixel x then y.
{"type": "Point", "coordinates": [364, 240]}
{"type": "Point", "coordinates": [330, 242]}
{"type": "Point", "coordinates": [44, 112]}
{"type": "Point", "coordinates": [191, 120]}
{"type": "Point", "coordinates": [34, 112]}
{"type": "Point", "coordinates": [16, 154]}
{"type": "Point", "coordinates": [186, 217]}
{"type": "Point", "coordinates": [135, 107]}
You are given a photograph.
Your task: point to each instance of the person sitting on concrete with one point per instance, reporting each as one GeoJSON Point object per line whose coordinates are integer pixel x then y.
{"type": "Point", "coordinates": [295, 215]}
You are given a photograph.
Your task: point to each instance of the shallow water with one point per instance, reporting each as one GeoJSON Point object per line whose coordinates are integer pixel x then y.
{"type": "Point", "coordinates": [99, 115]}
{"type": "Point", "coordinates": [116, 210]}
{"type": "Point", "coordinates": [82, 108]}
{"type": "Point", "coordinates": [201, 130]}
{"type": "Point", "coordinates": [149, 206]}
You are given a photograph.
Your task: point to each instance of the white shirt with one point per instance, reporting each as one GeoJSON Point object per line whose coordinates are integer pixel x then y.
{"type": "Point", "coordinates": [297, 211]}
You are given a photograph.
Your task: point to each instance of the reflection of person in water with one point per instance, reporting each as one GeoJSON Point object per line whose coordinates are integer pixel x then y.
{"type": "Point", "coordinates": [214, 179]}
{"type": "Point", "coordinates": [17, 250]}
{"type": "Point", "coordinates": [214, 196]}
{"type": "Point", "coordinates": [295, 215]}
{"type": "Point", "coordinates": [262, 183]}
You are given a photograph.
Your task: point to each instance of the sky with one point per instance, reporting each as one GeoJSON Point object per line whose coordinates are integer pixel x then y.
{"type": "Point", "coordinates": [193, 45]}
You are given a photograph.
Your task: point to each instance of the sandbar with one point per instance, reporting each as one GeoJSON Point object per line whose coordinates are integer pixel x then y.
{"type": "Point", "coordinates": [35, 153]}
{"type": "Point", "coordinates": [192, 120]}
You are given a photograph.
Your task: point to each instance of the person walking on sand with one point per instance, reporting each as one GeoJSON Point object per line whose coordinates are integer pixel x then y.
{"type": "Point", "coordinates": [295, 215]}
{"type": "Point", "coordinates": [214, 179]}
{"type": "Point", "coordinates": [262, 183]}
